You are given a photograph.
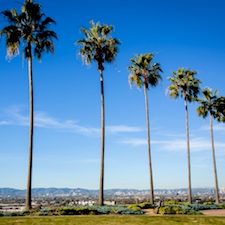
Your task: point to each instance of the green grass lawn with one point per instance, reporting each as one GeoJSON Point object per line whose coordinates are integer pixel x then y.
{"type": "Point", "coordinates": [113, 220]}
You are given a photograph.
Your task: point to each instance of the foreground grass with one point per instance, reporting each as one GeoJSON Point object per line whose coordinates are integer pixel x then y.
{"type": "Point", "coordinates": [113, 220]}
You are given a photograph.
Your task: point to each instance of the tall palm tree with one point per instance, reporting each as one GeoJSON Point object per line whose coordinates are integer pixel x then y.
{"type": "Point", "coordinates": [28, 29]}
{"type": "Point", "coordinates": [144, 72]}
{"type": "Point", "coordinates": [98, 45]}
{"type": "Point", "coordinates": [211, 105]}
{"type": "Point", "coordinates": [185, 84]}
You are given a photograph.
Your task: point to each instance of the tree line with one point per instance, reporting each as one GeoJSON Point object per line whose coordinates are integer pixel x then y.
{"type": "Point", "coordinates": [29, 29]}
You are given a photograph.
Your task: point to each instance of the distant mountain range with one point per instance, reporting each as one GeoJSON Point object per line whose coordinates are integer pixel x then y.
{"type": "Point", "coordinates": [51, 192]}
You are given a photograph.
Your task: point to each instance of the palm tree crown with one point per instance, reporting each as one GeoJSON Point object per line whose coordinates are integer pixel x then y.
{"type": "Point", "coordinates": [185, 84]}
{"type": "Point", "coordinates": [143, 72]}
{"type": "Point", "coordinates": [210, 104]}
{"type": "Point", "coordinates": [98, 44]}
{"type": "Point", "coordinates": [221, 108]}
{"type": "Point", "coordinates": [29, 27]}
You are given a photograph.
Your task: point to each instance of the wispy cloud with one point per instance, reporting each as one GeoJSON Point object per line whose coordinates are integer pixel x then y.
{"type": "Point", "coordinates": [134, 142]}
{"type": "Point", "coordinates": [16, 116]}
{"type": "Point", "coordinates": [122, 128]}
{"type": "Point", "coordinates": [216, 127]}
{"type": "Point", "coordinates": [4, 122]}
{"type": "Point", "coordinates": [178, 144]}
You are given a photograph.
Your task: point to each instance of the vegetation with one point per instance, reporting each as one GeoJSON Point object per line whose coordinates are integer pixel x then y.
{"type": "Point", "coordinates": [185, 84]}
{"type": "Point", "coordinates": [115, 220]}
{"type": "Point", "coordinates": [173, 207]}
{"type": "Point", "coordinates": [28, 29]}
{"type": "Point", "coordinates": [144, 72]}
{"type": "Point", "coordinates": [98, 45]}
{"type": "Point", "coordinates": [210, 104]}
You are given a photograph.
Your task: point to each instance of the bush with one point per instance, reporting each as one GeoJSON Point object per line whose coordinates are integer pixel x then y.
{"type": "Point", "coordinates": [76, 211]}
{"type": "Point", "coordinates": [9, 214]}
{"type": "Point", "coordinates": [45, 212]}
{"type": "Point", "coordinates": [166, 210]}
{"type": "Point", "coordinates": [171, 202]}
{"type": "Point", "coordinates": [134, 207]}
{"type": "Point", "coordinates": [198, 207]}
{"type": "Point", "coordinates": [67, 211]}
{"type": "Point", "coordinates": [24, 213]}
{"type": "Point", "coordinates": [127, 211]}
{"type": "Point", "coordinates": [177, 210]}
{"type": "Point", "coordinates": [208, 203]}
{"type": "Point", "coordinates": [102, 209]}
{"type": "Point", "coordinates": [145, 205]}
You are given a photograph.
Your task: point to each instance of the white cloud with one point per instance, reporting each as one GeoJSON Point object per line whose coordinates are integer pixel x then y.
{"type": "Point", "coordinates": [43, 120]}
{"type": "Point", "coordinates": [216, 127]}
{"type": "Point", "coordinates": [122, 128]}
{"type": "Point", "coordinates": [4, 122]}
{"type": "Point", "coordinates": [134, 142]}
{"type": "Point", "coordinates": [178, 144]}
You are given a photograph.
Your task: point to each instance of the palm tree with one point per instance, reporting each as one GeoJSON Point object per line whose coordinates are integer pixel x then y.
{"type": "Point", "coordinates": [28, 29]}
{"type": "Point", "coordinates": [144, 72]}
{"type": "Point", "coordinates": [98, 45]}
{"type": "Point", "coordinates": [185, 84]}
{"type": "Point", "coordinates": [221, 108]}
{"type": "Point", "coordinates": [211, 105]}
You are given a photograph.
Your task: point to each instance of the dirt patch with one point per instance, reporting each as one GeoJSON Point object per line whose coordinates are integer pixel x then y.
{"type": "Point", "coordinates": [214, 212]}
{"type": "Point", "coordinates": [149, 212]}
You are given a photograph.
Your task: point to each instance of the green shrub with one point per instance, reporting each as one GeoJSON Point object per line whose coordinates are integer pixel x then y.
{"type": "Point", "coordinates": [208, 203]}
{"type": "Point", "coordinates": [84, 211]}
{"type": "Point", "coordinates": [177, 210]}
{"type": "Point", "coordinates": [102, 209]}
{"type": "Point", "coordinates": [67, 211]}
{"type": "Point", "coordinates": [171, 202]}
{"type": "Point", "coordinates": [9, 214]}
{"type": "Point", "coordinates": [145, 205]}
{"type": "Point", "coordinates": [24, 213]}
{"type": "Point", "coordinates": [134, 207]}
{"type": "Point", "coordinates": [126, 211]}
{"type": "Point", "coordinates": [198, 207]}
{"type": "Point", "coordinates": [166, 210]}
{"type": "Point", "coordinates": [45, 212]}
{"type": "Point", "coordinates": [192, 212]}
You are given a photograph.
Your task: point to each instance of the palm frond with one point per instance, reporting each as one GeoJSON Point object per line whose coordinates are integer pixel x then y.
{"type": "Point", "coordinates": [98, 45]}
{"type": "Point", "coordinates": [211, 104]}
{"type": "Point", "coordinates": [148, 73]}
{"type": "Point", "coordinates": [184, 83]}
{"type": "Point", "coordinates": [30, 28]}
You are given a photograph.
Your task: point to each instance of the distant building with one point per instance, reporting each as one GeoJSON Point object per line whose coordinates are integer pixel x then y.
{"type": "Point", "coordinates": [222, 190]}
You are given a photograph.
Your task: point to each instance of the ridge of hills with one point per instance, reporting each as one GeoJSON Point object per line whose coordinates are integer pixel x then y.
{"type": "Point", "coordinates": [51, 192]}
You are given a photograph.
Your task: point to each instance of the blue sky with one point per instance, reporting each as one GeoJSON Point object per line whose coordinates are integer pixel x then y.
{"type": "Point", "coordinates": [67, 138]}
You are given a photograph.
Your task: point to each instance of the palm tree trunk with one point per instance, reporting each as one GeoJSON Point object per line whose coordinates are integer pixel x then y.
{"type": "Point", "coordinates": [188, 152]}
{"type": "Point", "coordinates": [101, 188]}
{"type": "Point", "coordinates": [30, 156]}
{"type": "Point", "coordinates": [149, 148]}
{"type": "Point", "coordinates": [214, 160]}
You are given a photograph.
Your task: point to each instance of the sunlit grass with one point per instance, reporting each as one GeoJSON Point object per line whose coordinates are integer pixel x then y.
{"type": "Point", "coordinates": [113, 220]}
